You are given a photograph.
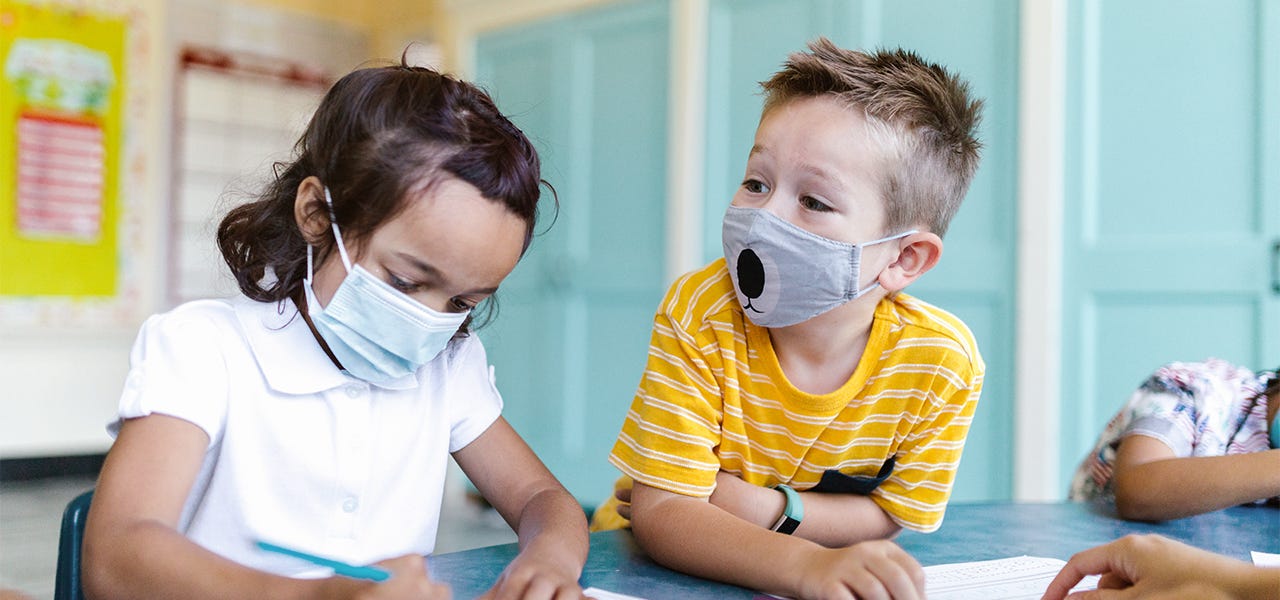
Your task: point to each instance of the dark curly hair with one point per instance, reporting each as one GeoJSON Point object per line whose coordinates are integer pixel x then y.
{"type": "Point", "coordinates": [379, 136]}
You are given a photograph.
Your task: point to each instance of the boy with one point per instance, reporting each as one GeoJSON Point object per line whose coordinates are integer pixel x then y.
{"type": "Point", "coordinates": [790, 389]}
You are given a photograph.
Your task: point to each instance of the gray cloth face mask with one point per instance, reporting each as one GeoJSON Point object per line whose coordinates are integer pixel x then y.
{"type": "Point", "coordinates": [785, 275]}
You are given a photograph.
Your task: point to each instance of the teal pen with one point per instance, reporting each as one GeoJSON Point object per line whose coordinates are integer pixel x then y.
{"type": "Point", "coordinates": [339, 567]}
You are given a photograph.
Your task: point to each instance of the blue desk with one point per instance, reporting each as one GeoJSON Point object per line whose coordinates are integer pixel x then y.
{"type": "Point", "coordinates": [970, 532]}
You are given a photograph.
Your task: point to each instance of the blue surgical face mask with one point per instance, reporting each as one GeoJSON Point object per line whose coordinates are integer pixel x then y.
{"type": "Point", "coordinates": [377, 332]}
{"type": "Point", "coordinates": [786, 275]}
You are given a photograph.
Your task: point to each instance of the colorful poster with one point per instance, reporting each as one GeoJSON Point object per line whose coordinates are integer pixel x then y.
{"type": "Point", "coordinates": [61, 97]}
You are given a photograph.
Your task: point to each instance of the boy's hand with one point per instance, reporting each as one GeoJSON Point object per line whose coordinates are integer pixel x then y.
{"type": "Point", "coordinates": [536, 576]}
{"type": "Point", "coordinates": [623, 494]}
{"type": "Point", "coordinates": [875, 570]}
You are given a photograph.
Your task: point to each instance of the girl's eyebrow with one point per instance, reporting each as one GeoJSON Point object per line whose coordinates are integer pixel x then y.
{"type": "Point", "coordinates": [437, 274]}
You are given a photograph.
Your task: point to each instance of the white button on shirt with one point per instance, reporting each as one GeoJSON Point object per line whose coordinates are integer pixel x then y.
{"type": "Point", "coordinates": [300, 453]}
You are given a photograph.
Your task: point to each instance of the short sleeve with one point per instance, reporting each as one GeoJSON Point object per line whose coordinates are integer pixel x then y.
{"type": "Point", "coordinates": [177, 368]}
{"type": "Point", "coordinates": [669, 437]}
{"type": "Point", "coordinates": [915, 495]}
{"type": "Point", "coordinates": [474, 401]}
{"type": "Point", "coordinates": [1162, 410]}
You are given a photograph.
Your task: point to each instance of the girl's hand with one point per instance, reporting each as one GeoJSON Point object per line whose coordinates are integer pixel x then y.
{"type": "Point", "coordinates": [537, 577]}
{"type": "Point", "coordinates": [409, 580]}
{"type": "Point", "coordinates": [875, 570]}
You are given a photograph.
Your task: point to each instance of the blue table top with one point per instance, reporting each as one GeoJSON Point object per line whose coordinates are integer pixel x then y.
{"type": "Point", "coordinates": [969, 532]}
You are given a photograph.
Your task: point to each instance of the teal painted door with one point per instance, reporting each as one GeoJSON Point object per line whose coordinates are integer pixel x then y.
{"type": "Point", "coordinates": [572, 335]}
{"type": "Point", "coordinates": [749, 39]}
{"type": "Point", "coordinates": [1172, 197]}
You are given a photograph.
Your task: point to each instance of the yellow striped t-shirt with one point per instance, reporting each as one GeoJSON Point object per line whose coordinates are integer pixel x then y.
{"type": "Point", "coordinates": [713, 397]}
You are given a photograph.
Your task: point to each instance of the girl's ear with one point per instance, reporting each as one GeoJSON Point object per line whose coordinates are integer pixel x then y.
{"type": "Point", "coordinates": [917, 253]}
{"type": "Point", "coordinates": [310, 211]}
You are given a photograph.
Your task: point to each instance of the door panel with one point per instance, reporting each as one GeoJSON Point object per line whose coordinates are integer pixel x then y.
{"type": "Point", "coordinates": [591, 90]}
{"type": "Point", "coordinates": [1171, 136]}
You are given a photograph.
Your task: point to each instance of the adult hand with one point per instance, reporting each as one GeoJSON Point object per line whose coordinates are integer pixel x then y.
{"type": "Point", "coordinates": [1148, 566]}
{"type": "Point", "coordinates": [874, 570]}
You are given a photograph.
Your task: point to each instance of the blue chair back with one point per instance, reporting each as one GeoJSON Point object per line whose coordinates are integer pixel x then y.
{"type": "Point", "coordinates": [67, 583]}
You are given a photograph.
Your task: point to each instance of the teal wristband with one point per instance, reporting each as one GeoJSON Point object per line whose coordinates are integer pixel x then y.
{"type": "Point", "coordinates": [792, 513]}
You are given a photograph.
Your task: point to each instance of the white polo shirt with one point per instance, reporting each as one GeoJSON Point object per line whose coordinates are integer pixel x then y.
{"type": "Point", "coordinates": [300, 453]}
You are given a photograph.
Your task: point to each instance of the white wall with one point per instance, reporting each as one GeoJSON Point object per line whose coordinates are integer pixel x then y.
{"type": "Point", "coordinates": [62, 362]}
{"type": "Point", "coordinates": [63, 374]}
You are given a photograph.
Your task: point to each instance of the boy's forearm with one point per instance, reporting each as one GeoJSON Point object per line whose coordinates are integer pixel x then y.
{"type": "Point", "coordinates": [1257, 583]}
{"type": "Point", "coordinates": [1180, 487]}
{"type": "Point", "coordinates": [696, 537]}
{"type": "Point", "coordinates": [839, 520]}
{"type": "Point", "coordinates": [833, 520]}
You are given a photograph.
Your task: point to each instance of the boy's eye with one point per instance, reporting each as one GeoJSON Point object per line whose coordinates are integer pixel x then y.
{"type": "Point", "coordinates": [813, 204]}
{"type": "Point", "coordinates": [755, 186]}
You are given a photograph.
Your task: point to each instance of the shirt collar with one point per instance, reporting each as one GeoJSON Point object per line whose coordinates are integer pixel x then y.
{"type": "Point", "coordinates": [291, 359]}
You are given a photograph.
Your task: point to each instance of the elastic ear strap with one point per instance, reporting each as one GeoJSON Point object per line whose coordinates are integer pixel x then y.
{"type": "Point", "coordinates": [892, 237]}
{"type": "Point", "coordinates": [333, 222]}
{"type": "Point", "coordinates": [875, 284]}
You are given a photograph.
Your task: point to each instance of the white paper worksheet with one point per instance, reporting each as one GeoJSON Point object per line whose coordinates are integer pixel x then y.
{"type": "Point", "coordinates": [1004, 579]}
{"type": "Point", "coordinates": [1265, 559]}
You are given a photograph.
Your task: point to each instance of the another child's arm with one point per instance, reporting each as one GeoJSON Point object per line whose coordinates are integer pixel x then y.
{"type": "Point", "coordinates": [132, 548]}
{"type": "Point", "coordinates": [1152, 484]}
{"type": "Point", "coordinates": [551, 526]}
{"type": "Point", "coordinates": [1141, 566]}
{"type": "Point", "coordinates": [690, 535]}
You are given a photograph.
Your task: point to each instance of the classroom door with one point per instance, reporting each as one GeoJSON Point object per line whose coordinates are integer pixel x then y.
{"type": "Point", "coordinates": [748, 41]}
{"type": "Point", "coordinates": [590, 89]}
{"type": "Point", "coordinates": [1172, 197]}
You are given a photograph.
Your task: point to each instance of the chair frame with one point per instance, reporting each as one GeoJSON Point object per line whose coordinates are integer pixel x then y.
{"type": "Point", "coordinates": [67, 582]}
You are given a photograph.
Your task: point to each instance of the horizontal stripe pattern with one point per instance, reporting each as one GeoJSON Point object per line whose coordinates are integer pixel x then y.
{"type": "Point", "coordinates": [710, 399]}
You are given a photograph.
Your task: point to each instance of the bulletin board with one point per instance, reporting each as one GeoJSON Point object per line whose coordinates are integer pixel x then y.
{"type": "Point", "coordinates": [83, 83]}
{"type": "Point", "coordinates": [61, 95]}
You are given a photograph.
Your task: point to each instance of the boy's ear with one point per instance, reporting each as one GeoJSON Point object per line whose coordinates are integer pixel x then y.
{"type": "Point", "coordinates": [309, 210]}
{"type": "Point", "coordinates": [917, 253]}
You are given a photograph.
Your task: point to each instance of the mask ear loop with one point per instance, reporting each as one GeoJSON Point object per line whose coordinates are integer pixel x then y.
{"type": "Point", "coordinates": [876, 283]}
{"type": "Point", "coordinates": [333, 222]}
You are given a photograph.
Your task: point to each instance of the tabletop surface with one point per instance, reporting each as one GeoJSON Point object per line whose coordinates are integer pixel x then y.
{"type": "Point", "coordinates": [970, 532]}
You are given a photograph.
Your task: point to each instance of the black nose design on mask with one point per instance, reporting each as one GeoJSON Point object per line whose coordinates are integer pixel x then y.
{"type": "Point", "coordinates": [750, 276]}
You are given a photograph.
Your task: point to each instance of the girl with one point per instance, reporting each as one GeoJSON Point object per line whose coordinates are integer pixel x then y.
{"type": "Point", "coordinates": [318, 411]}
{"type": "Point", "coordinates": [1194, 438]}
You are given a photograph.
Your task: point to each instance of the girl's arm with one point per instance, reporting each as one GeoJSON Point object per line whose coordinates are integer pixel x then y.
{"type": "Point", "coordinates": [132, 548]}
{"type": "Point", "coordinates": [550, 524]}
{"type": "Point", "coordinates": [1151, 484]}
